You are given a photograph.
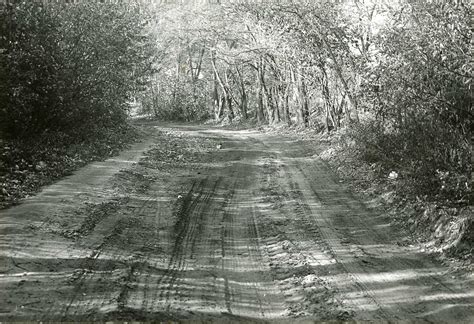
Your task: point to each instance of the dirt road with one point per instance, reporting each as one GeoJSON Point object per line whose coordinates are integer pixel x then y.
{"type": "Point", "coordinates": [214, 224]}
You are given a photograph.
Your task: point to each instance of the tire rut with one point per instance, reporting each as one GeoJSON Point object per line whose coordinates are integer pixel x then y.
{"type": "Point", "coordinates": [353, 257]}
{"type": "Point", "coordinates": [187, 230]}
{"type": "Point", "coordinates": [254, 231]}
{"type": "Point", "coordinates": [87, 281]}
{"type": "Point", "coordinates": [297, 256]}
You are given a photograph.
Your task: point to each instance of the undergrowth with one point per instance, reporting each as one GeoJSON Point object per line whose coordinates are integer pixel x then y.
{"type": "Point", "coordinates": [434, 206]}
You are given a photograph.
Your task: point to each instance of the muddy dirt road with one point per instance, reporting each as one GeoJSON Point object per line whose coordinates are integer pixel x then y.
{"type": "Point", "coordinates": [210, 224]}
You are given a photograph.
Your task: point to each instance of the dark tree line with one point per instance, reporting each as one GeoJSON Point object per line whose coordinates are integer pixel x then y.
{"type": "Point", "coordinates": [70, 68]}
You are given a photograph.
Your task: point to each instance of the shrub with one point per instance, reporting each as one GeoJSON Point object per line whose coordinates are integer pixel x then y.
{"type": "Point", "coordinates": [421, 100]}
{"type": "Point", "coordinates": [430, 159]}
{"type": "Point", "coordinates": [70, 68]}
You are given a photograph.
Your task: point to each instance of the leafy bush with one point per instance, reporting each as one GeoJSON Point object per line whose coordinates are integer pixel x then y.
{"type": "Point", "coordinates": [422, 103]}
{"type": "Point", "coordinates": [70, 68]}
{"type": "Point", "coordinates": [424, 161]}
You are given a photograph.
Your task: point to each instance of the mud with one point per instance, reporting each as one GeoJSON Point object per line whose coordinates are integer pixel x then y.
{"type": "Point", "coordinates": [215, 225]}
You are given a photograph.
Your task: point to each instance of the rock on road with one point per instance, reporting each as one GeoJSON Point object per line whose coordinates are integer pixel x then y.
{"type": "Point", "coordinates": [206, 224]}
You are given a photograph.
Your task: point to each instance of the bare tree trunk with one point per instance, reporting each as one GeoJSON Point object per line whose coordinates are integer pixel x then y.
{"type": "Point", "coordinates": [286, 93]}
{"type": "Point", "coordinates": [243, 95]}
{"type": "Point", "coordinates": [269, 102]}
{"type": "Point", "coordinates": [259, 112]}
{"type": "Point", "coordinates": [276, 99]}
{"type": "Point", "coordinates": [266, 94]}
{"type": "Point", "coordinates": [300, 96]}
{"type": "Point", "coordinates": [154, 100]}
{"type": "Point", "coordinates": [327, 99]}
{"type": "Point", "coordinates": [225, 91]}
{"type": "Point", "coordinates": [352, 100]}
{"type": "Point", "coordinates": [304, 98]}
{"type": "Point", "coordinates": [194, 70]}
{"type": "Point", "coordinates": [296, 98]}
{"type": "Point", "coordinates": [216, 100]}
{"type": "Point", "coordinates": [228, 96]}
{"type": "Point", "coordinates": [287, 104]}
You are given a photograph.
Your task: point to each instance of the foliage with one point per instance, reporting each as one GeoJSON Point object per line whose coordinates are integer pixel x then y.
{"type": "Point", "coordinates": [420, 83]}
{"type": "Point", "coordinates": [70, 67]}
{"type": "Point", "coordinates": [67, 74]}
{"type": "Point", "coordinates": [419, 159]}
{"type": "Point", "coordinates": [398, 75]}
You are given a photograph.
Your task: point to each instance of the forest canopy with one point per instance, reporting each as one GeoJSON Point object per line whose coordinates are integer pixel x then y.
{"type": "Point", "coordinates": [394, 76]}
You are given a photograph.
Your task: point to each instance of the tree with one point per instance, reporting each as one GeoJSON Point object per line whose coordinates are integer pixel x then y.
{"type": "Point", "coordinates": [71, 68]}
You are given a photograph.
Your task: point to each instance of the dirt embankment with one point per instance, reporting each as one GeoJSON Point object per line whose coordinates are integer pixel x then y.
{"type": "Point", "coordinates": [211, 224]}
{"type": "Point", "coordinates": [444, 228]}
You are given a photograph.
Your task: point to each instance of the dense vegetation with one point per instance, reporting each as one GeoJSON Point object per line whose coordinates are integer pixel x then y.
{"type": "Point", "coordinates": [392, 79]}
{"type": "Point", "coordinates": [397, 77]}
{"type": "Point", "coordinates": [68, 73]}
{"type": "Point", "coordinates": [70, 68]}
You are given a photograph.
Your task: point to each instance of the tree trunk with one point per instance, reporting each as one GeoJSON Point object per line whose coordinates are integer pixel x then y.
{"type": "Point", "coordinates": [327, 99]}
{"type": "Point", "coordinates": [259, 112]}
{"type": "Point", "coordinates": [296, 98]}
{"type": "Point", "coordinates": [216, 100]}
{"type": "Point", "coordinates": [300, 96]}
{"type": "Point", "coordinates": [243, 92]}
{"type": "Point", "coordinates": [352, 100]}
{"type": "Point", "coordinates": [225, 90]}
{"type": "Point", "coordinates": [304, 98]}
{"type": "Point", "coordinates": [228, 96]}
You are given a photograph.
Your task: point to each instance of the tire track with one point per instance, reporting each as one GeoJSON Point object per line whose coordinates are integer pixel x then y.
{"type": "Point", "coordinates": [294, 265]}
{"type": "Point", "coordinates": [348, 259]}
{"type": "Point", "coordinates": [252, 295]}
{"type": "Point", "coordinates": [187, 230]}
{"type": "Point", "coordinates": [81, 290]}
{"type": "Point", "coordinates": [227, 243]}
{"type": "Point", "coordinates": [261, 233]}
{"type": "Point", "coordinates": [328, 236]}
{"type": "Point", "coordinates": [255, 250]}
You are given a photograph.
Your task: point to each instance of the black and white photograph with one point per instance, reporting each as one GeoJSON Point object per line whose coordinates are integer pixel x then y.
{"type": "Point", "coordinates": [237, 161]}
